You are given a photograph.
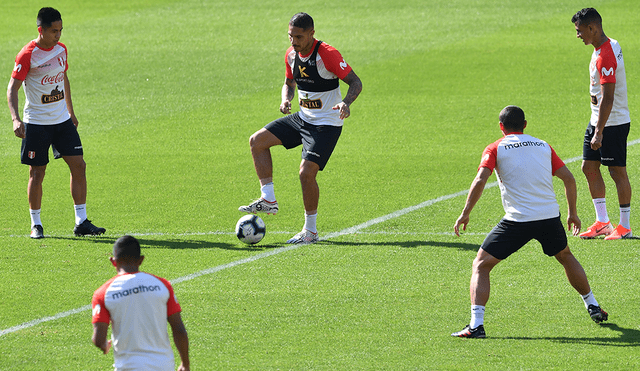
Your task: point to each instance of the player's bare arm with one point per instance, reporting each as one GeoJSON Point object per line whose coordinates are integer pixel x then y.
{"type": "Point", "coordinates": [477, 187]}
{"type": "Point", "coordinates": [12, 101]}
{"type": "Point", "coordinates": [67, 98]}
{"type": "Point", "coordinates": [355, 87]}
{"type": "Point", "coordinates": [608, 94]}
{"type": "Point", "coordinates": [288, 92]}
{"type": "Point", "coordinates": [99, 337]}
{"type": "Point", "coordinates": [571, 193]}
{"type": "Point", "coordinates": [181, 340]}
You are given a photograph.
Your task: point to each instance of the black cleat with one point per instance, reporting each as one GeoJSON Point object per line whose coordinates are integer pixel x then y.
{"type": "Point", "coordinates": [469, 332]}
{"type": "Point", "coordinates": [86, 228]}
{"type": "Point", "coordinates": [597, 314]}
{"type": "Point", "coordinates": [37, 232]}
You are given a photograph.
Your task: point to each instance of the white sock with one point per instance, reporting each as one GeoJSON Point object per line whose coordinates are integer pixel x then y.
{"type": "Point", "coordinates": [81, 213]}
{"type": "Point", "coordinates": [600, 204]}
{"type": "Point", "coordinates": [589, 299]}
{"type": "Point", "coordinates": [310, 222]}
{"type": "Point", "coordinates": [35, 217]}
{"type": "Point", "coordinates": [477, 316]}
{"type": "Point", "coordinates": [625, 214]}
{"type": "Point", "coordinates": [267, 192]}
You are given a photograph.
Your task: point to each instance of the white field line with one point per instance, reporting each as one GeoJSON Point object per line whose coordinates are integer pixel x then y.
{"type": "Point", "coordinates": [350, 230]}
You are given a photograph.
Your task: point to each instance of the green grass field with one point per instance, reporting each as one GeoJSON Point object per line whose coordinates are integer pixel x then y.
{"type": "Point", "coordinates": [167, 94]}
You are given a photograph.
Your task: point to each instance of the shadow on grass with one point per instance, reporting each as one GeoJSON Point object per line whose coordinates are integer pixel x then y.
{"type": "Point", "coordinates": [173, 243]}
{"type": "Point", "coordinates": [628, 338]}
{"type": "Point", "coordinates": [407, 244]}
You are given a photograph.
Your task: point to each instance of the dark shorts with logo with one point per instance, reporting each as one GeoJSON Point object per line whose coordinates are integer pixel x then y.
{"type": "Point", "coordinates": [614, 145]}
{"type": "Point", "coordinates": [62, 138]}
{"type": "Point", "coordinates": [508, 237]}
{"type": "Point", "coordinates": [318, 141]}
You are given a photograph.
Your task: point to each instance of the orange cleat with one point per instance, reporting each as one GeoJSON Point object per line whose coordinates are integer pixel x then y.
{"type": "Point", "coordinates": [597, 229]}
{"type": "Point", "coordinates": [618, 233]}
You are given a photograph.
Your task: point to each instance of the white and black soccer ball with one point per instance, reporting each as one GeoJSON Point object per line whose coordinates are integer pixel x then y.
{"type": "Point", "coordinates": [250, 229]}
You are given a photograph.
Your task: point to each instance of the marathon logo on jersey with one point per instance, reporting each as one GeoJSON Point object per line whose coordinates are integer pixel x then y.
{"type": "Point", "coordinates": [524, 144]}
{"type": "Point", "coordinates": [136, 290]}
{"type": "Point", "coordinates": [311, 103]}
{"type": "Point", "coordinates": [55, 96]}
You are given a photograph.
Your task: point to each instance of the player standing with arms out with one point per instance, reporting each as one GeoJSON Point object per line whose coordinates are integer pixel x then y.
{"type": "Point", "coordinates": [525, 167]}
{"type": "Point", "coordinates": [49, 120]}
{"type": "Point", "coordinates": [138, 305]}
{"type": "Point", "coordinates": [315, 68]}
{"type": "Point", "coordinates": [605, 141]}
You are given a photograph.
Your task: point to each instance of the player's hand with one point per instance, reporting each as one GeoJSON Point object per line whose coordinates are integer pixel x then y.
{"type": "Point", "coordinates": [74, 120]}
{"type": "Point", "coordinates": [344, 110]}
{"type": "Point", "coordinates": [596, 141]}
{"type": "Point", "coordinates": [18, 128]}
{"type": "Point", "coordinates": [574, 224]}
{"type": "Point", "coordinates": [285, 107]}
{"type": "Point", "coordinates": [105, 350]}
{"type": "Point", "coordinates": [463, 220]}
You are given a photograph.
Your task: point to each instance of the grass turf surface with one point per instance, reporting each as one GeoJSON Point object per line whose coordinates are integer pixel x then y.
{"type": "Point", "coordinates": [167, 94]}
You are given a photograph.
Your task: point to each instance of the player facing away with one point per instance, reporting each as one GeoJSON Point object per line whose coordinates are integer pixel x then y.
{"type": "Point", "coordinates": [315, 68]}
{"type": "Point", "coordinates": [49, 119]}
{"type": "Point", "coordinates": [605, 140]}
{"type": "Point", "coordinates": [525, 166]}
{"type": "Point", "coordinates": [138, 305]}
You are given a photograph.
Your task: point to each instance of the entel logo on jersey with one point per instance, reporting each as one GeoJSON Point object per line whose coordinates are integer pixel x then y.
{"type": "Point", "coordinates": [607, 72]}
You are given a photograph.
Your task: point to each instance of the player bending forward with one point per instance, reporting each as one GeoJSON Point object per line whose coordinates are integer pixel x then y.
{"type": "Point", "coordinates": [525, 167]}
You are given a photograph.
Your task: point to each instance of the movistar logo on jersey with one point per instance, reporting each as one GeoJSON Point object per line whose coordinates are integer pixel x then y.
{"type": "Point", "coordinates": [607, 72]}
{"type": "Point", "coordinates": [133, 291]}
{"type": "Point", "coordinates": [524, 144]}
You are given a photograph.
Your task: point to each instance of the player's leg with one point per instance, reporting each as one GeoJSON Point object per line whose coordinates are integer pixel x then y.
{"type": "Point", "coordinates": [614, 156]}
{"type": "Point", "coordinates": [78, 179]}
{"type": "Point", "coordinates": [591, 170]}
{"type": "Point", "coordinates": [602, 225]}
{"type": "Point", "coordinates": [578, 279]}
{"type": "Point", "coordinates": [261, 142]}
{"type": "Point", "coordinates": [35, 153]}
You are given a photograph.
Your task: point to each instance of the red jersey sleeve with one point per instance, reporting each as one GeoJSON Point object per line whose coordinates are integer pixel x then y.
{"type": "Point", "coordinates": [607, 64]}
{"type": "Point", "coordinates": [556, 162]}
{"type": "Point", "coordinates": [23, 63]}
{"type": "Point", "coordinates": [489, 156]}
{"type": "Point", "coordinates": [66, 56]}
{"type": "Point", "coordinates": [288, 73]}
{"type": "Point", "coordinates": [172, 304]}
{"type": "Point", "coordinates": [99, 312]}
{"type": "Point", "coordinates": [333, 61]}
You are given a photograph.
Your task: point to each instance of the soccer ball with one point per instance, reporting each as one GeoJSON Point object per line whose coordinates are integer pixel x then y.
{"type": "Point", "coordinates": [250, 229]}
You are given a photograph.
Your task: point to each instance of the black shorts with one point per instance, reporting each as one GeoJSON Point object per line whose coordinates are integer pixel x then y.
{"type": "Point", "coordinates": [614, 145]}
{"type": "Point", "coordinates": [508, 237]}
{"type": "Point", "coordinates": [62, 138]}
{"type": "Point", "coordinates": [318, 141]}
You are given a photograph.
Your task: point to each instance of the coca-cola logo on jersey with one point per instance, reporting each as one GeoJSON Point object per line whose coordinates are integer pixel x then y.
{"type": "Point", "coordinates": [53, 79]}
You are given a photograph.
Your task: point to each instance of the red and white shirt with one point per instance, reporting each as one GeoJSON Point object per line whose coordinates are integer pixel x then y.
{"type": "Point", "coordinates": [607, 66]}
{"type": "Point", "coordinates": [524, 166]}
{"type": "Point", "coordinates": [42, 72]}
{"type": "Point", "coordinates": [330, 65]}
{"type": "Point", "coordinates": [137, 305]}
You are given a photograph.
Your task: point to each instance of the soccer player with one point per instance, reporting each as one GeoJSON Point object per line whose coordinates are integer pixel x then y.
{"type": "Point", "coordinates": [49, 119]}
{"type": "Point", "coordinates": [525, 166]}
{"type": "Point", "coordinates": [315, 68]}
{"type": "Point", "coordinates": [138, 305]}
{"type": "Point", "coordinates": [605, 141]}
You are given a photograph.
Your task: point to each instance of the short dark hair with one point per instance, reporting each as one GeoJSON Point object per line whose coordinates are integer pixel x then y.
{"type": "Point", "coordinates": [301, 20]}
{"type": "Point", "coordinates": [126, 248]}
{"type": "Point", "coordinates": [46, 16]}
{"type": "Point", "coordinates": [512, 118]}
{"type": "Point", "coordinates": [587, 16]}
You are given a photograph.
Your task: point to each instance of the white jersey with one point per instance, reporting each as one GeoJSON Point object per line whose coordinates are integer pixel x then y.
{"type": "Point", "coordinates": [607, 66]}
{"type": "Point", "coordinates": [524, 166]}
{"type": "Point", "coordinates": [137, 305]}
{"type": "Point", "coordinates": [42, 72]}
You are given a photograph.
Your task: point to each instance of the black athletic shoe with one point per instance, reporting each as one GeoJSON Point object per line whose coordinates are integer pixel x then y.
{"type": "Point", "coordinates": [469, 332]}
{"type": "Point", "coordinates": [37, 232]}
{"type": "Point", "coordinates": [86, 228]}
{"type": "Point", "coordinates": [597, 314]}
